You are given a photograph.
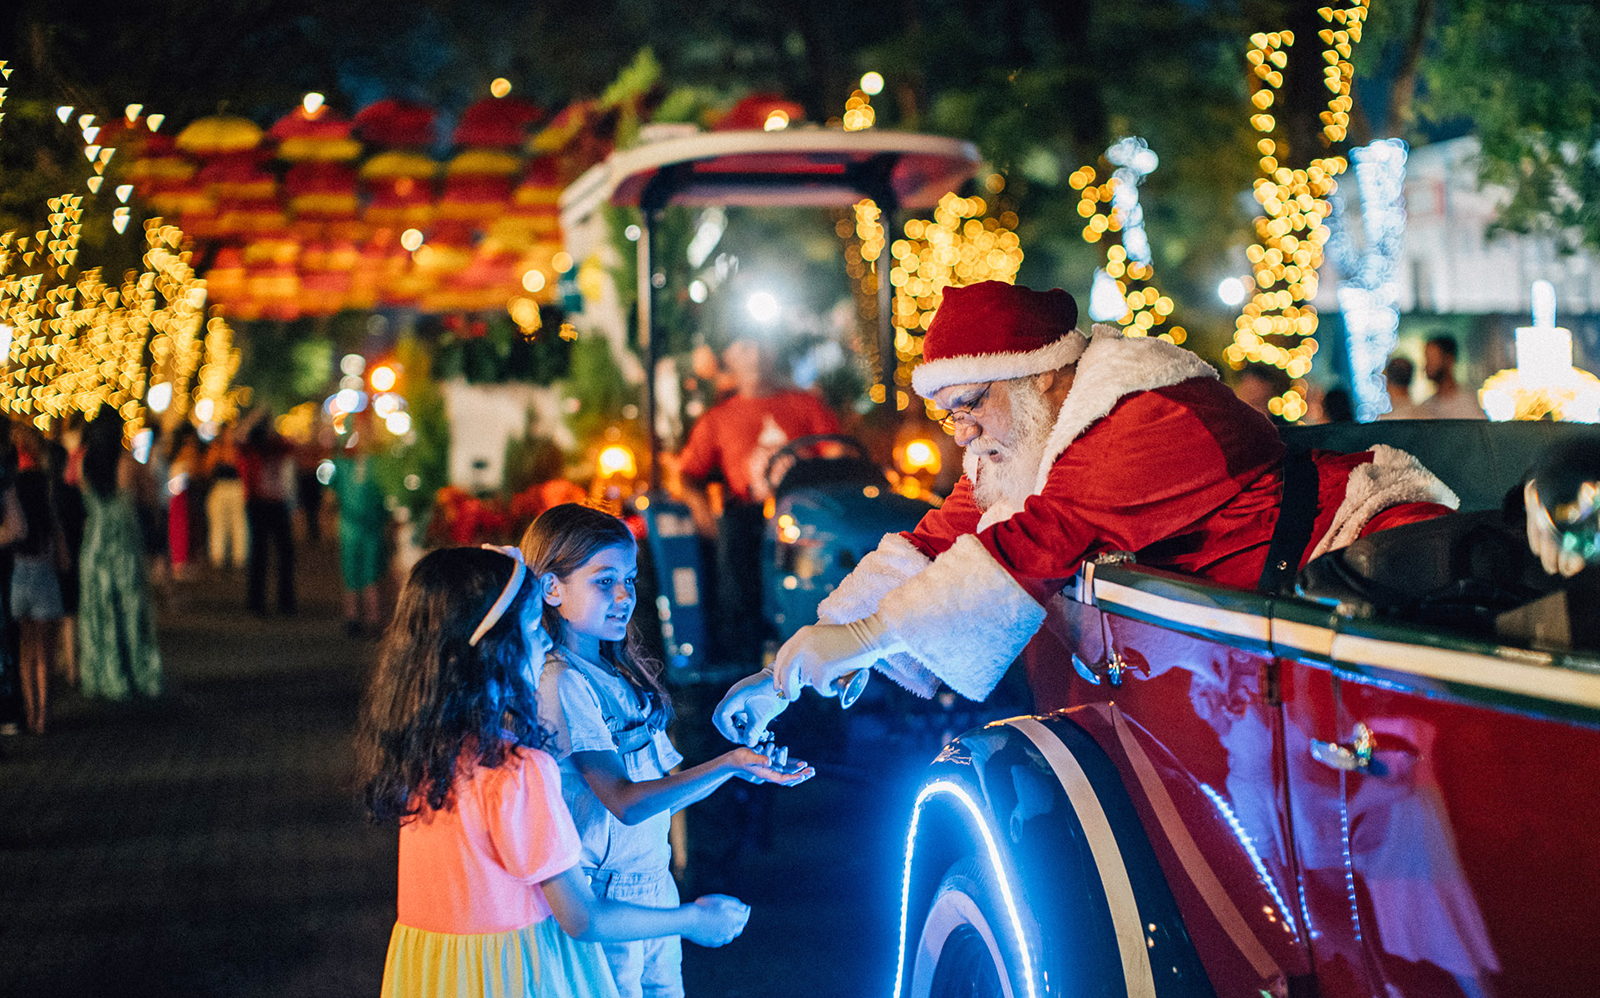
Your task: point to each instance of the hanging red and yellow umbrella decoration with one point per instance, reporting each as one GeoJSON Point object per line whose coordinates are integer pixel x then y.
{"type": "Point", "coordinates": [320, 213]}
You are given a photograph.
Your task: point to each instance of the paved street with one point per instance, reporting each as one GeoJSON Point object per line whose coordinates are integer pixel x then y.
{"type": "Point", "coordinates": [210, 844]}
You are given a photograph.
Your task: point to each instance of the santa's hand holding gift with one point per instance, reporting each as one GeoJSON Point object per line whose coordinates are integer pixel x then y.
{"type": "Point", "coordinates": [1075, 447]}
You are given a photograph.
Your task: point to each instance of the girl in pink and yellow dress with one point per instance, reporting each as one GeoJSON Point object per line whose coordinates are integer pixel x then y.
{"type": "Point", "coordinates": [491, 900]}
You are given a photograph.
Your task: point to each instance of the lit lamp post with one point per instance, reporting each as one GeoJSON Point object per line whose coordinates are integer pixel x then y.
{"type": "Point", "coordinates": [615, 471]}
{"type": "Point", "coordinates": [1544, 384]}
{"type": "Point", "coordinates": [917, 458]}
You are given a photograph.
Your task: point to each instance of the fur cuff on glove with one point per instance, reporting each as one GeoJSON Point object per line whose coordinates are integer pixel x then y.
{"type": "Point", "coordinates": [1392, 477]}
{"type": "Point", "coordinates": [909, 674]}
{"type": "Point", "coordinates": [894, 562]}
{"type": "Point", "coordinates": [964, 618]}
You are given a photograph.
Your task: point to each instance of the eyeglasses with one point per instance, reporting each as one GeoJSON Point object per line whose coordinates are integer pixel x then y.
{"type": "Point", "coordinates": [958, 416]}
{"type": "Point", "coordinates": [507, 594]}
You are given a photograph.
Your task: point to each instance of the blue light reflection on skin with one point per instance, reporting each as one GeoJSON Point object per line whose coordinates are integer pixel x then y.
{"type": "Point", "coordinates": [1007, 895]}
{"type": "Point", "coordinates": [1243, 836]}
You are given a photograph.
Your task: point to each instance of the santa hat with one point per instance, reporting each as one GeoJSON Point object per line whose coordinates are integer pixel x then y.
{"type": "Point", "coordinates": [993, 331]}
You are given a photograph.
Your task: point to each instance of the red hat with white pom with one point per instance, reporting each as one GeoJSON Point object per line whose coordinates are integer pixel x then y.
{"type": "Point", "coordinates": [993, 331]}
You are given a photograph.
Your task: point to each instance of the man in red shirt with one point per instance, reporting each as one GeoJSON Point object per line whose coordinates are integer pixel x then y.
{"type": "Point", "coordinates": [734, 440]}
{"type": "Point", "coordinates": [739, 434]}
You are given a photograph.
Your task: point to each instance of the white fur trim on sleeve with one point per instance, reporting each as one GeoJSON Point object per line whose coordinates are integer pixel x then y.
{"type": "Point", "coordinates": [931, 376]}
{"type": "Point", "coordinates": [964, 618]}
{"type": "Point", "coordinates": [910, 674]}
{"type": "Point", "coordinates": [893, 562]}
{"type": "Point", "coordinates": [1392, 477]}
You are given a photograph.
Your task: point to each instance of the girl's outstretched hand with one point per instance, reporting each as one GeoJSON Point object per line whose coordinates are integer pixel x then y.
{"type": "Point", "coordinates": [718, 920]}
{"type": "Point", "coordinates": [756, 767]}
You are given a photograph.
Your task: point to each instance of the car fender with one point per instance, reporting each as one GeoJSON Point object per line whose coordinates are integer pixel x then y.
{"type": "Point", "coordinates": [1084, 908]}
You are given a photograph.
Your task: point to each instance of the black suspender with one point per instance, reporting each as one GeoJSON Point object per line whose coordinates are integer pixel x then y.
{"type": "Point", "coordinates": [1297, 514]}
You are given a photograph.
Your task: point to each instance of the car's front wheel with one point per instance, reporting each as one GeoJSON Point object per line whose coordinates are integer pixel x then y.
{"type": "Point", "coordinates": [961, 952]}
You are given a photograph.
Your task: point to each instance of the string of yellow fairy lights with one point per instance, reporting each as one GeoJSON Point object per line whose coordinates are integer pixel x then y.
{"type": "Point", "coordinates": [1278, 325]}
{"type": "Point", "coordinates": [858, 112]}
{"type": "Point", "coordinates": [961, 244]}
{"type": "Point", "coordinates": [861, 228]}
{"type": "Point", "coordinates": [76, 345]}
{"type": "Point", "coordinates": [1148, 308]}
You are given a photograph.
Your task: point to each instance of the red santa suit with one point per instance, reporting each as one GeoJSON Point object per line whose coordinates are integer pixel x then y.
{"type": "Point", "coordinates": [1150, 453]}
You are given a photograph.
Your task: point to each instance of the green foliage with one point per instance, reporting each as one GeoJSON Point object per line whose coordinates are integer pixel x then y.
{"type": "Point", "coordinates": [596, 382]}
{"type": "Point", "coordinates": [312, 362]}
{"type": "Point", "coordinates": [503, 353]}
{"type": "Point", "coordinates": [687, 104]}
{"type": "Point", "coordinates": [673, 310]}
{"type": "Point", "coordinates": [1044, 88]}
{"type": "Point", "coordinates": [270, 362]}
{"type": "Point", "coordinates": [531, 459]}
{"type": "Point", "coordinates": [1526, 76]}
{"type": "Point", "coordinates": [638, 77]}
{"type": "Point", "coordinates": [843, 387]}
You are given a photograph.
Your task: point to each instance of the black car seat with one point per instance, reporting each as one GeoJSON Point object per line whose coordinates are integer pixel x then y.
{"type": "Point", "coordinates": [1460, 571]}
{"type": "Point", "coordinates": [1480, 460]}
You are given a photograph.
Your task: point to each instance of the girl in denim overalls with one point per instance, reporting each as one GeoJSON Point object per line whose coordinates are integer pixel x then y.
{"type": "Point", "coordinates": [608, 711]}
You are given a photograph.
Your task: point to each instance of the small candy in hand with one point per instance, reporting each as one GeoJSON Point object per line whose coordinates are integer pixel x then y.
{"type": "Point", "coordinates": [778, 755]}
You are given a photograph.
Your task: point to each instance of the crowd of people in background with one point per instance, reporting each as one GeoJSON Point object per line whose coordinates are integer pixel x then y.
{"type": "Point", "coordinates": [1258, 384]}
{"type": "Point", "coordinates": [95, 525]}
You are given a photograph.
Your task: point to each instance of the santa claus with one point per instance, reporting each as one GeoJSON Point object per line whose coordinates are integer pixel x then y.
{"type": "Point", "coordinates": [1075, 447]}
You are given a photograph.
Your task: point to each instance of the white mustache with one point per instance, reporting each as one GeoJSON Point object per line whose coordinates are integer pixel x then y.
{"type": "Point", "coordinates": [980, 454]}
{"type": "Point", "coordinates": [982, 447]}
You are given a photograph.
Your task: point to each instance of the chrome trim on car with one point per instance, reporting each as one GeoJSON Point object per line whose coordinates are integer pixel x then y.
{"type": "Point", "coordinates": [1523, 678]}
{"type": "Point", "coordinates": [1305, 638]}
{"type": "Point", "coordinates": [1510, 670]}
{"type": "Point", "coordinates": [1112, 596]}
{"type": "Point", "coordinates": [1353, 758]}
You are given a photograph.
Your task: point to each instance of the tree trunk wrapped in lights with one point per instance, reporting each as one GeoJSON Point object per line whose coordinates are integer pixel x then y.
{"type": "Point", "coordinates": [1124, 290]}
{"type": "Point", "coordinates": [1278, 325]}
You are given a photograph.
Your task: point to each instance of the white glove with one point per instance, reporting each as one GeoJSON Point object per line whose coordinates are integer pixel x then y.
{"type": "Point", "coordinates": [1545, 539]}
{"type": "Point", "coordinates": [748, 707]}
{"type": "Point", "coordinates": [820, 655]}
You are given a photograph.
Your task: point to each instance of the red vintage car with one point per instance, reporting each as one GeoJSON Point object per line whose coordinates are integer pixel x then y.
{"type": "Point", "coordinates": [1333, 794]}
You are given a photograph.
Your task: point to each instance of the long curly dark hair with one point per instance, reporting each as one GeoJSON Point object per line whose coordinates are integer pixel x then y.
{"type": "Point", "coordinates": [561, 541]}
{"type": "Point", "coordinates": [435, 702]}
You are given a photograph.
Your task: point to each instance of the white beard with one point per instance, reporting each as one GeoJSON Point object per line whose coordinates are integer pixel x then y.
{"type": "Point", "coordinates": [1010, 481]}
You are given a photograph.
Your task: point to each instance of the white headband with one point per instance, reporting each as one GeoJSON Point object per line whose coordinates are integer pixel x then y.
{"type": "Point", "coordinates": [507, 594]}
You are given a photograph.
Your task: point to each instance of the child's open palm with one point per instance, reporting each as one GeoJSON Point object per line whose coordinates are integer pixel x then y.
{"type": "Point", "coordinates": [758, 767]}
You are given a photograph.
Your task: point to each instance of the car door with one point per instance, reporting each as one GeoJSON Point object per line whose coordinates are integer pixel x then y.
{"type": "Point", "coordinates": [1468, 777]}
{"type": "Point", "coordinates": [1174, 680]}
{"type": "Point", "coordinates": [1318, 816]}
